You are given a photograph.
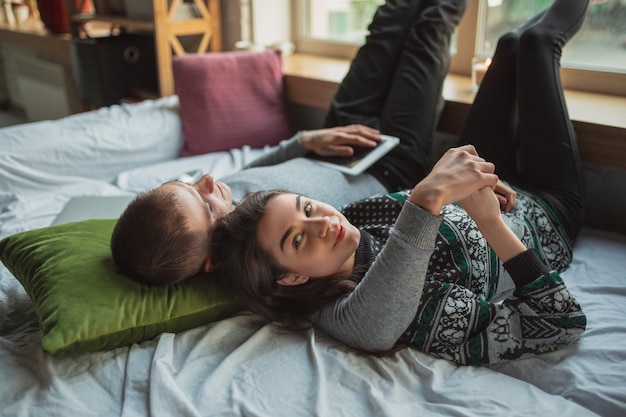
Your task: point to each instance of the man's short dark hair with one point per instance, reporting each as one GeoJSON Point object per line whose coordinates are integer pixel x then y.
{"type": "Point", "coordinates": [152, 243]}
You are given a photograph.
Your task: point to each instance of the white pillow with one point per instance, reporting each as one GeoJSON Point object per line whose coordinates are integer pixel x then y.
{"type": "Point", "coordinates": [98, 144]}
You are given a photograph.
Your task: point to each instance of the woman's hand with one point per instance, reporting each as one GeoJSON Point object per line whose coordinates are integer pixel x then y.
{"type": "Point", "coordinates": [486, 204]}
{"type": "Point", "coordinates": [482, 206]}
{"type": "Point", "coordinates": [506, 196]}
{"type": "Point", "coordinates": [459, 173]}
{"type": "Point", "coordinates": [339, 141]}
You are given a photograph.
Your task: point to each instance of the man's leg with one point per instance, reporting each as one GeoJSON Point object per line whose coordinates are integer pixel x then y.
{"type": "Point", "coordinates": [411, 109]}
{"type": "Point", "coordinates": [362, 92]}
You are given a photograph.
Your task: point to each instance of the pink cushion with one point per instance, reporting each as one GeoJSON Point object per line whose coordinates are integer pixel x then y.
{"type": "Point", "coordinates": [231, 99]}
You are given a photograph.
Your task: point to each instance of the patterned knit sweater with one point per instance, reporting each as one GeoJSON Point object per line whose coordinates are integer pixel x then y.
{"type": "Point", "coordinates": [433, 283]}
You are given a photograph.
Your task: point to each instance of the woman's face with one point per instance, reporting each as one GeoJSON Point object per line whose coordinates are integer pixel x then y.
{"type": "Point", "coordinates": [308, 237]}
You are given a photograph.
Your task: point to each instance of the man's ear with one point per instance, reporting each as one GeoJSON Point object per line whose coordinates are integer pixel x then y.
{"type": "Point", "coordinates": [207, 265]}
{"type": "Point", "coordinates": [291, 279]}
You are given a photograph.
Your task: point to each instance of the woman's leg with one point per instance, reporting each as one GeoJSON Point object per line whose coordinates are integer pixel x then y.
{"type": "Point", "coordinates": [492, 121]}
{"type": "Point", "coordinates": [519, 119]}
{"type": "Point", "coordinates": [549, 160]}
{"type": "Point", "coordinates": [411, 107]}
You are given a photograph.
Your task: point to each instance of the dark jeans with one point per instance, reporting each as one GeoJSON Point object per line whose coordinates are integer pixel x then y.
{"type": "Point", "coordinates": [519, 119]}
{"type": "Point", "coordinates": [394, 83]}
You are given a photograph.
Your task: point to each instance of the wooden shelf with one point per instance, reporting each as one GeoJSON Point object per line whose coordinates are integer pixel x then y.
{"type": "Point", "coordinates": [131, 24]}
{"type": "Point", "coordinates": [166, 31]}
{"type": "Point", "coordinates": [35, 40]}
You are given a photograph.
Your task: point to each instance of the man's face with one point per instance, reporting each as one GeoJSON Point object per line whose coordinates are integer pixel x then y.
{"type": "Point", "coordinates": [202, 202]}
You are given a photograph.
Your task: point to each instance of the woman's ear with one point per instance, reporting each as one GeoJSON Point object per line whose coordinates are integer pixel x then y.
{"type": "Point", "coordinates": [291, 279]}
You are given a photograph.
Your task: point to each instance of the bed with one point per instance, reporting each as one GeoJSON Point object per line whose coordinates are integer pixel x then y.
{"type": "Point", "coordinates": [240, 365]}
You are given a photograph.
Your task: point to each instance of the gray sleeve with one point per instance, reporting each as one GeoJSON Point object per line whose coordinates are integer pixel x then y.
{"type": "Point", "coordinates": [383, 305]}
{"type": "Point", "coordinates": [284, 151]}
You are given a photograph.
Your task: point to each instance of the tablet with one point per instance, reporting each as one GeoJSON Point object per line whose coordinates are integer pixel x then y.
{"type": "Point", "coordinates": [362, 159]}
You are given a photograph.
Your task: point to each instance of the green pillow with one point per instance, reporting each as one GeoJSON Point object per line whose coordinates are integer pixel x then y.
{"type": "Point", "coordinates": [83, 303]}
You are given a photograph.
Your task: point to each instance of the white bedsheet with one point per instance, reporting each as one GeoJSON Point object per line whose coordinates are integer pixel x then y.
{"type": "Point", "coordinates": [242, 366]}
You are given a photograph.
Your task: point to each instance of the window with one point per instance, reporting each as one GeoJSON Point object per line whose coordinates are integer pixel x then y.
{"type": "Point", "coordinates": [600, 43]}
{"type": "Point", "coordinates": [333, 27]}
{"type": "Point", "coordinates": [595, 60]}
{"type": "Point", "coordinates": [599, 46]}
{"type": "Point", "coordinates": [340, 20]}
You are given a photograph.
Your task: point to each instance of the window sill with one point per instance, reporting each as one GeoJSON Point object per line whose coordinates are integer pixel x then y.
{"type": "Point", "coordinates": [598, 119]}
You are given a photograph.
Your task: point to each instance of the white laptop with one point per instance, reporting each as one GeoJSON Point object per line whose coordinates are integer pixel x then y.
{"type": "Point", "coordinates": [92, 207]}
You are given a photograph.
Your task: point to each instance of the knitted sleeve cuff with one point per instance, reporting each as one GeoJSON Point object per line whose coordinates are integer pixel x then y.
{"type": "Point", "coordinates": [525, 268]}
{"type": "Point", "coordinates": [417, 226]}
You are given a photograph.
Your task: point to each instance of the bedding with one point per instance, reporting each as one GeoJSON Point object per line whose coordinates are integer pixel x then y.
{"type": "Point", "coordinates": [240, 365]}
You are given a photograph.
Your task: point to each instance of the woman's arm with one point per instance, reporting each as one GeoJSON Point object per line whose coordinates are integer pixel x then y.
{"type": "Point", "coordinates": [385, 302]}
{"type": "Point", "coordinates": [483, 207]}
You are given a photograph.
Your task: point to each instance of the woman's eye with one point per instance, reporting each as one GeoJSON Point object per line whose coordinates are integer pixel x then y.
{"type": "Point", "coordinates": [297, 240]}
{"type": "Point", "coordinates": [307, 209]}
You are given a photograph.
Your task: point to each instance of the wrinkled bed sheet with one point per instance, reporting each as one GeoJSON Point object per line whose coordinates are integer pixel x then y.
{"type": "Point", "coordinates": [242, 366]}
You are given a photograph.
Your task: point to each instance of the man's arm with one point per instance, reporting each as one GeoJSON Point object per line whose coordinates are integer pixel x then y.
{"type": "Point", "coordinates": [284, 151]}
{"type": "Point", "coordinates": [336, 141]}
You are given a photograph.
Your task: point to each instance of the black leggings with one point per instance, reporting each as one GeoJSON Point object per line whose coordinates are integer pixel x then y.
{"type": "Point", "coordinates": [519, 119]}
{"type": "Point", "coordinates": [395, 81]}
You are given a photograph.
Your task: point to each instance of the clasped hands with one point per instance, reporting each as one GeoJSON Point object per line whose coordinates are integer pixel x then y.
{"type": "Point", "coordinates": [461, 175]}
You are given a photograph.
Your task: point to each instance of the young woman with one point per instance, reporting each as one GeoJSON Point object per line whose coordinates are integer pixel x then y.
{"type": "Point", "coordinates": [412, 269]}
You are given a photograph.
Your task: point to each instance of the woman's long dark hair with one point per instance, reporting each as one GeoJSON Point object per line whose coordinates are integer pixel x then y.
{"type": "Point", "coordinates": [251, 273]}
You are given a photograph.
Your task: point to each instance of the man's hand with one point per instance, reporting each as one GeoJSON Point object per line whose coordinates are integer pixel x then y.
{"type": "Point", "coordinates": [339, 141]}
{"type": "Point", "coordinates": [459, 173]}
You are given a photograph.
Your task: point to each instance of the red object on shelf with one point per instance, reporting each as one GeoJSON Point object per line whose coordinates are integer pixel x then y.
{"type": "Point", "coordinates": [53, 15]}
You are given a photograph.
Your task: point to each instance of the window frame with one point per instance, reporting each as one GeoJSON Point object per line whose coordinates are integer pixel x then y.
{"type": "Point", "coordinates": [596, 81]}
